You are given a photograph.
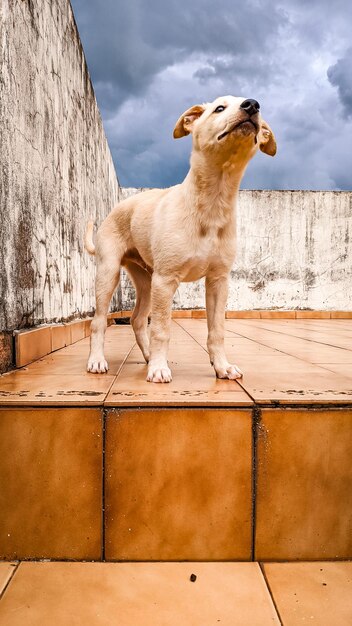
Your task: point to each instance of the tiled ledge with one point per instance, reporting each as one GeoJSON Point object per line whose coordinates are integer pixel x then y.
{"type": "Point", "coordinates": [286, 362]}
{"type": "Point", "coordinates": [176, 484]}
{"type": "Point", "coordinates": [35, 343]}
{"type": "Point", "coordinates": [253, 314]}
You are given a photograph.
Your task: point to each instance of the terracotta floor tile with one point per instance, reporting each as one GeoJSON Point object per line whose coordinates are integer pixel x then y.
{"type": "Point", "coordinates": [194, 381]}
{"type": "Point", "coordinates": [341, 314]}
{"type": "Point", "coordinates": [343, 323]}
{"type": "Point", "coordinates": [30, 389]}
{"type": "Point", "coordinates": [120, 337]}
{"type": "Point", "coordinates": [317, 353]}
{"type": "Point", "coordinates": [190, 386]}
{"type": "Point", "coordinates": [242, 314]}
{"type": "Point", "coordinates": [181, 313]}
{"type": "Point", "coordinates": [330, 327]}
{"type": "Point", "coordinates": [304, 477]}
{"type": "Point", "coordinates": [77, 330]}
{"type": "Point", "coordinates": [6, 571]}
{"type": "Point", "coordinates": [87, 322]}
{"type": "Point", "coordinates": [279, 333]}
{"type": "Point", "coordinates": [33, 344]}
{"type": "Point", "coordinates": [59, 363]}
{"type": "Point", "coordinates": [312, 593]}
{"type": "Point", "coordinates": [277, 314]}
{"type": "Point", "coordinates": [51, 483]}
{"type": "Point", "coordinates": [136, 594]}
{"type": "Point", "coordinates": [298, 387]}
{"type": "Point", "coordinates": [330, 337]}
{"type": "Point", "coordinates": [60, 336]}
{"type": "Point", "coordinates": [184, 496]}
{"type": "Point", "coordinates": [80, 347]}
{"type": "Point", "coordinates": [272, 374]}
{"type": "Point", "coordinates": [313, 314]}
{"type": "Point", "coordinates": [292, 375]}
{"type": "Point", "coordinates": [343, 369]}
{"type": "Point", "coordinates": [261, 343]}
{"type": "Point", "coordinates": [329, 332]}
{"type": "Point", "coordinates": [61, 377]}
{"type": "Point", "coordinates": [199, 314]}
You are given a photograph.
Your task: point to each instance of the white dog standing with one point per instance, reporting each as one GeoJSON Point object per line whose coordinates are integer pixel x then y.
{"type": "Point", "coordinates": [165, 236]}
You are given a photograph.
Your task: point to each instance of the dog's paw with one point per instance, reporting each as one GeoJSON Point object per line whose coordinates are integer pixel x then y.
{"type": "Point", "coordinates": [230, 371]}
{"type": "Point", "coordinates": [97, 365]}
{"type": "Point", "coordinates": [159, 374]}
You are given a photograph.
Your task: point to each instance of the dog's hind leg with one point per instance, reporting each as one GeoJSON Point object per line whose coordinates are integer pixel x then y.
{"type": "Point", "coordinates": [108, 257]}
{"type": "Point", "coordinates": [142, 281]}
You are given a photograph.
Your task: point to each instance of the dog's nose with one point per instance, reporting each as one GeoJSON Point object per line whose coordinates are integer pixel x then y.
{"type": "Point", "coordinates": [250, 106]}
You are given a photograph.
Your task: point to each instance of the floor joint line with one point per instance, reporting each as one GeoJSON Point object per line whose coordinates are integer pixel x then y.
{"type": "Point", "coordinates": [103, 499]}
{"type": "Point", "coordinates": [237, 380]}
{"type": "Point", "coordinates": [280, 332]}
{"type": "Point", "coordinates": [256, 418]}
{"type": "Point", "coordinates": [2, 592]}
{"type": "Point", "coordinates": [270, 592]}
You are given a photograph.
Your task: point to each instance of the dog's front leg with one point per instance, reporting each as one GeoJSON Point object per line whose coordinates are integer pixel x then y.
{"type": "Point", "coordinates": [163, 289]}
{"type": "Point", "coordinates": [216, 297]}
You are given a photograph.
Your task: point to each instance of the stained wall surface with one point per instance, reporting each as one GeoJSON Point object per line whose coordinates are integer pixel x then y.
{"type": "Point", "coordinates": [56, 167]}
{"type": "Point", "coordinates": [294, 251]}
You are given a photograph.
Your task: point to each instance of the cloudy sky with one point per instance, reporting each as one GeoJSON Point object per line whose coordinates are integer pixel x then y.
{"type": "Point", "coordinates": [151, 59]}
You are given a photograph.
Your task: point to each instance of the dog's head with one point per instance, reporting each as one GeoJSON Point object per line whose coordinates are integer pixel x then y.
{"type": "Point", "coordinates": [227, 127]}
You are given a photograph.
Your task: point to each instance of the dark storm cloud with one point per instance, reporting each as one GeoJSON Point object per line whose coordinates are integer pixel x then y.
{"type": "Point", "coordinates": [340, 75]}
{"type": "Point", "coordinates": [234, 65]}
{"type": "Point", "coordinates": [149, 61]}
{"type": "Point", "coordinates": [127, 44]}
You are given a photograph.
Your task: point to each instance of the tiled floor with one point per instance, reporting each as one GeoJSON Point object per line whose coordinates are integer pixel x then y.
{"type": "Point", "coordinates": [284, 362]}
{"type": "Point", "coordinates": [110, 467]}
{"type": "Point", "coordinates": [163, 594]}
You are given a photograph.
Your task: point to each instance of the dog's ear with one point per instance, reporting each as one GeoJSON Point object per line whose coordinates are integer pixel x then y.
{"type": "Point", "coordinates": [185, 123]}
{"type": "Point", "coordinates": [266, 139]}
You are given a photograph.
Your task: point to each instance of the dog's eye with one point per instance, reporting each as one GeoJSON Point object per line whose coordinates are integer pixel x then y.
{"type": "Point", "coordinates": [219, 109]}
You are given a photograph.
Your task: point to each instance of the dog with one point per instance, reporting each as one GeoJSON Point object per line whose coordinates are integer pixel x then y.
{"type": "Point", "coordinates": [166, 236]}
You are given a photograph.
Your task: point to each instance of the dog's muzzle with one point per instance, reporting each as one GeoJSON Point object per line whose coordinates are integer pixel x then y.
{"type": "Point", "coordinates": [247, 121]}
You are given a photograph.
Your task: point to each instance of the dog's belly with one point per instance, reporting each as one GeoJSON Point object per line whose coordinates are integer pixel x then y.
{"type": "Point", "coordinates": [193, 269]}
{"type": "Point", "coordinates": [197, 266]}
{"type": "Point", "coordinates": [133, 256]}
{"type": "Point", "coordinates": [194, 272]}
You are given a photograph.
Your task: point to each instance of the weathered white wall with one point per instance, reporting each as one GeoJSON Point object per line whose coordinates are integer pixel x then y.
{"type": "Point", "coordinates": [56, 167]}
{"type": "Point", "coordinates": [294, 252]}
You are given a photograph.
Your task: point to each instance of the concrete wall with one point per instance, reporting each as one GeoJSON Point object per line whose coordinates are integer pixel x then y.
{"type": "Point", "coordinates": [294, 252]}
{"type": "Point", "coordinates": [56, 167]}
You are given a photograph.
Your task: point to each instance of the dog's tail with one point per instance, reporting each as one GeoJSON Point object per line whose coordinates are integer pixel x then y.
{"type": "Point", "coordinates": [88, 239]}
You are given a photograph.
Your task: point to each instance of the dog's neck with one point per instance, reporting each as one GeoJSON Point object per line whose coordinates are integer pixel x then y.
{"type": "Point", "coordinates": [211, 189]}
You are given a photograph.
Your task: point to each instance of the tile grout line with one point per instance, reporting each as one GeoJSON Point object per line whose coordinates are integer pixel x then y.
{"type": "Point", "coordinates": [310, 328]}
{"type": "Point", "coordinates": [280, 332]}
{"type": "Point", "coordinates": [189, 334]}
{"type": "Point", "coordinates": [237, 380]}
{"type": "Point", "coordinates": [256, 418]}
{"type": "Point", "coordinates": [104, 416]}
{"type": "Point", "coordinates": [261, 567]}
{"type": "Point", "coordinates": [282, 351]}
{"type": "Point", "coordinates": [2, 593]}
{"type": "Point", "coordinates": [103, 487]}
{"type": "Point", "coordinates": [118, 373]}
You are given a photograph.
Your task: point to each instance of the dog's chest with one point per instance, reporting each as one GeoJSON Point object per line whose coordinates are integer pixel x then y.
{"type": "Point", "coordinates": [210, 249]}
